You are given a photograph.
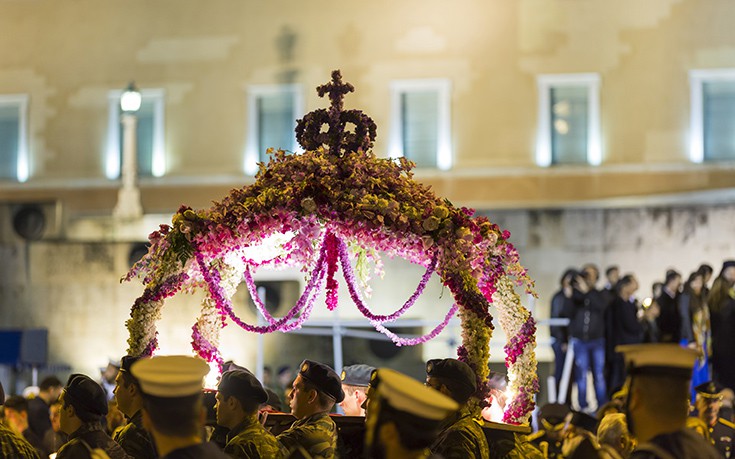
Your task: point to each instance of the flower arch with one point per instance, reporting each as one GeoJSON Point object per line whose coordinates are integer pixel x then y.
{"type": "Point", "coordinates": [334, 205]}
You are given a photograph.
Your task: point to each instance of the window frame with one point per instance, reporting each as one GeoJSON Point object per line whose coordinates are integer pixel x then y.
{"type": "Point", "coordinates": [443, 86]}
{"type": "Point", "coordinates": [254, 92]}
{"type": "Point", "coordinates": [697, 79]}
{"type": "Point", "coordinates": [22, 168]}
{"type": "Point", "coordinates": [113, 153]}
{"type": "Point", "coordinates": [545, 83]}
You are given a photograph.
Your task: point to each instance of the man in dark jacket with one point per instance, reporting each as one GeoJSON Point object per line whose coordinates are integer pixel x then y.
{"type": "Point", "coordinates": [624, 328]}
{"type": "Point", "coordinates": [83, 409]}
{"type": "Point", "coordinates": [587, 335]}
{"type": "Point", "coordinates": [669, 319]}
{"type": "Point", "coordinates": [39, 420]}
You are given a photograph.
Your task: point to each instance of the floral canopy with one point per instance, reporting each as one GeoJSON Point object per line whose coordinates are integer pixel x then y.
{"type": "Point", "coordinates": [333, 206]}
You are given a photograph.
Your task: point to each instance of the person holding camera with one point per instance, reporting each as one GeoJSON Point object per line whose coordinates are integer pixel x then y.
{"type": "Point", "coordinates": [587, 335]}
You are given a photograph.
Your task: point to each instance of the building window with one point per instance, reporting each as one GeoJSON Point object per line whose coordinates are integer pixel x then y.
{"type": "Point", "coordinates": [712, 115]}
{"type": "Point", "coordinates": [569, 120]}
{"type": "Point", "coordinates": [150, 147]}
{"type": "Point", "coordinates": [420, 122]}
{"type": "Point", "coordinates": [272, 114]}
{"type": "Point", "coordinates": [14, 137]}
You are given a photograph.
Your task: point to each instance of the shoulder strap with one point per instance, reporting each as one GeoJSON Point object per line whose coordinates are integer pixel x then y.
{"type": "Point", "coordinates": [655, 449]}
{"type": "Point", "coordinates": [727, 423]}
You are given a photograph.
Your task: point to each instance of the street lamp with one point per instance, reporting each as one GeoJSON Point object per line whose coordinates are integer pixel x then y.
{"type": "Point", "coordinates": [128, 207]}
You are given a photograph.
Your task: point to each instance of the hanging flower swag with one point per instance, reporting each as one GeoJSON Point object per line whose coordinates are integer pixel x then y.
{"type": "Point", "coordinates": [338, 205]}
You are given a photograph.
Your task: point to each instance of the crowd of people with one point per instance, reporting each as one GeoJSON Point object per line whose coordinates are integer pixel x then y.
{"type": "Point", "coordinates": [169, 414]}
{"type": "Point", "coordinates": [387, 415]}
{"type": "Point", "coordinates": [680, 310]}
{"type": "Point", "coordinates": [662, 384]}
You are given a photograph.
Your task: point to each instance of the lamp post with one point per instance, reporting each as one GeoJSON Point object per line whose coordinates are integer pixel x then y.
{"type": "Point", "coordinates": [128, 207]}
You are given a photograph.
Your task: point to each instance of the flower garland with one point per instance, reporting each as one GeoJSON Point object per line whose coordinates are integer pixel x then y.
{"type": "Point", "coordinates": [325, 207]}
{"type": "Point", "coordinates": [520, 327]}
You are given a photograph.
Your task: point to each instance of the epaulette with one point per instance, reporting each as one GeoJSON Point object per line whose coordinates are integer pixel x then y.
{"type": "Point", "coordinates": [726, 423]}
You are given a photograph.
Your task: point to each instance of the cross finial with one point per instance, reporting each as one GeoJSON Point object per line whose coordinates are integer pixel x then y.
{"type": "Point", "coordinates": [336, 89]}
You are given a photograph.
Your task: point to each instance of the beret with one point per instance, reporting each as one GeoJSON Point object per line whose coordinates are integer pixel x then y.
{"type": "Point", "coordinates": [170, 375]}
{"type": "Point", "coordinates": [324, 378]}
{"type": "Point", "coordinates": [357, 375]}
{"type": "Point", "coordinates": [709, 389]}
{"type": "Point", "coordinates": [554, 413]}
{"type": "Point", "coordinates": [453, 370]}
{"type": "Point", "coordinates": [584, 421]}
{"type": "Point", "coordinates": [242, 383]}
{"type": "Point", "coordinates": [126, 362]}
{"type": "Point", "coordinates": [85, 395]}
{"type": "Point", "coordinates": [273, 400]}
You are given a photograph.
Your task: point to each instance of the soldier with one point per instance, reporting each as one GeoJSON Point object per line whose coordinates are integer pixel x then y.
{"type": "Point", "coordinates": [462, 435]}
{"type": "Point", "coordinates": [83, 410]}
{"type": "Point", "coordinates": [133, 438]}
{"type": "Point", "coordinates": [238, 398]}
{"type": "Point", "coordinates": [172, 405]}
{"type": "Point", "coordinates": [13, 445]}
{"type": "Point", "coordinates": [315, 391]}
{"type": "Point", "coordinates": [550, 437]}
{"type": "Point", "coordinates": [708, 402]}
{"type": "Point", "coordinates": [657, 403]}
{"type": "Point", "coordinates": [355, 380]}
{"type": "Point", "coordinates": [404, 417]}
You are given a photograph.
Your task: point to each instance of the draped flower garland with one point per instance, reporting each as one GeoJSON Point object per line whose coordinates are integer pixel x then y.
{"type": "Point", "coordinates": [330, 208]}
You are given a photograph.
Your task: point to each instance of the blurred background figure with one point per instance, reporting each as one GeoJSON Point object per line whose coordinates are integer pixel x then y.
{"type": "Point", "coordinates": [55, 438]}
{"type": "Point", "coordinates": [107, 378]}
{"type": "Point", "coordinates": [16, 417]}
{"type": "Point", "coordinates": [721, 302]}
{"type": "Point", "coordinates": [39, 416]}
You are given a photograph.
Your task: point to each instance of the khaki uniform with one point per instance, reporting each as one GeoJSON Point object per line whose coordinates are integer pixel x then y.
{"type": "Point", "coordinates": [315, 434]}
{"type": "Point", "coordinates": [462, 438]}
{"type": "Point", "coordinates": [250, 440]}
{"type": "Point", "coordinates": [12, 445]}
{"type": "Point", "coordinates": [135, 440]}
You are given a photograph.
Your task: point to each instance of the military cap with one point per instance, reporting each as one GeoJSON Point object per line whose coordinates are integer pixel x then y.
{"type": "Point", "coordinates": [273, 400]}
{"type": "Point", "coordinates": [242, 383]}
{"type": "Point", "coordinates": [170, 375]}
{"type": "Point", "coordinates": [584, 421]}
{"type": "Point", "coordinates": [554, 413]}
{"type": "Point", "coordinates": [453, 370]}
{"type": "Point", "coordinates": [658, 359]}
{"type": "Point", "coordinates": [709, 389]}
{"type": "Point", "coordinates": [357, 375]}
{"type": "Point", "coordinates": [324, 378]}
{"type": "Point", "coordinates": [409, 396]}
{"type": "Point", "coordinates": [728, 264]}
{"type": "Point", "coordinates": [85, 395]}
